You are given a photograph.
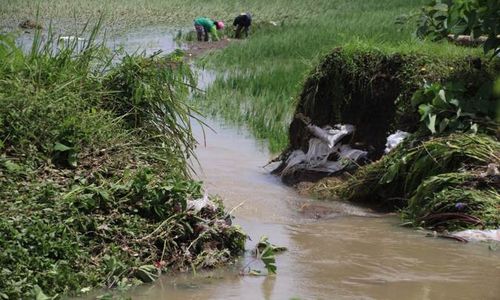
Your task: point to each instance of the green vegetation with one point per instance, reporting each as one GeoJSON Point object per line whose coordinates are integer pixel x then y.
{"type": "Point", "coordinates": [129, 13]}
{"type": "Point", "coordinates": [266, 252]}
{"type": "Point", "coordinates": [439, 182]}
{"type": "Point", "coordinates": [470, 17]}
{"type": "Point", "coordinates": [94, 188]}
{"type": "Point", "coordinates": [376, 91]}
{"type": "Point", "coordinates": [449, 108]}
{"type": "Point", "coordinates": [263, 75]}
{"type": "Point", "coordinates": [380, 86]}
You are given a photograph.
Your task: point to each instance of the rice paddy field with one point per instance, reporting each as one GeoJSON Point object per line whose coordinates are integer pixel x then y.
{"type": "Point", "coordinates": [264, 74]}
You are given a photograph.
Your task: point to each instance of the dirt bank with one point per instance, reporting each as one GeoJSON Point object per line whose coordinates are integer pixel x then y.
{"type": "Point", "coordinates": [372, 90]}
{"type": "Point", "coordinates": [436, 180]}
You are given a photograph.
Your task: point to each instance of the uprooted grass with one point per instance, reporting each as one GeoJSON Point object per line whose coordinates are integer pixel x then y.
{"type": "Point", "coordinates": [455, 200]}
{"type": "Point", "coordinates": [437, 182]}
{"type": "Point", "coordinates": [93, 183]}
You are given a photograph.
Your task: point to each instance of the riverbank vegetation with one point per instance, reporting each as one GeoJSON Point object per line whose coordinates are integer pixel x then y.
{"type": "Point", "coordinates": [264, 73]}
{"type": "Point", "coordinates": [94, 184]}
{"type": "Point", "coordinates": [445, 176]}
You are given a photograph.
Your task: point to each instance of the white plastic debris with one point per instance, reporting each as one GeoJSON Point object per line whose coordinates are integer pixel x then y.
{"type": "Point", "coordinates": [198, 204]}
{"type": "Point", "coordinates": [492, 170]}
{"type": "Point", "coordinates": [395, 139]}
{"type": "Point", "coordinates": [67, 41]}
{"type": "Point", "coordinates": [71, 38]}
{"type": "Point", "coordinates": [326, 141]}
{"type": "Point", "coordinates": [331, 136]}
{"type": "Point", "coordinates": [352, 154]}
{"type": "Point", "coordinates": [479, 235]}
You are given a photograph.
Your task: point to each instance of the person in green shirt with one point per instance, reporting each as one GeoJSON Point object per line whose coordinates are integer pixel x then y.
{"type": "Point", "coordinates": [204, 26]}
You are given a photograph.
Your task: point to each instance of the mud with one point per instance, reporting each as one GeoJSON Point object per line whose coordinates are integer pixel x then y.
{"type": "Point", "coordinates": [30, 24]}
{"type": "Point", "coordinates": [196, 49]}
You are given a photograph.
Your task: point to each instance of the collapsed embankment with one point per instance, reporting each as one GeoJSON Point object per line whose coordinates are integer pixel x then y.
{"type": "Point", "coordinates": [439, 180]}
{"type": "Point", "coordinates": [94, 185]}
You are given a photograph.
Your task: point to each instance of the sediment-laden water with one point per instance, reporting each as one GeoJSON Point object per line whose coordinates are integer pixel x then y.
{"type": "Point", "coordinates": [346, 253]}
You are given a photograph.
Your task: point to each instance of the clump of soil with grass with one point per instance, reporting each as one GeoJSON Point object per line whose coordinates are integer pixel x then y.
{"type": "Point", "coordinates": [30, 24]}
{"type": "Point", "coordinates": [373, 91]}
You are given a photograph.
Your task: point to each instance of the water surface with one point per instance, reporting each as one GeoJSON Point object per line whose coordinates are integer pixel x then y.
{"type": "Point", "coordinates": [346, 253]}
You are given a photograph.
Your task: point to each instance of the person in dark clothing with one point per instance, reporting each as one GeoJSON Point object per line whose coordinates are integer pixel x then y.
{"type": "Point", "coordinates": [242, 23]}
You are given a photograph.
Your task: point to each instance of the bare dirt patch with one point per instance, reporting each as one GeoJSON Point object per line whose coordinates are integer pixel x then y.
{"type": "Point", "coordinates": [195, 49]}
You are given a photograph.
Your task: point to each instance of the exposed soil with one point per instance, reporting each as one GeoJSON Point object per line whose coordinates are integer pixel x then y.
{"type": "Point", "coordinates": [30, 24]}
{"type": "Point", "coordinates": [195, 49]}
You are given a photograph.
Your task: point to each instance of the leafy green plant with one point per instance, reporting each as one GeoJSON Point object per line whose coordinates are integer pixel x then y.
{"type": "Point", "coordinates": [432, 22]}
{"type": "Point", "coordinates": [440, 18]}
{"type": "Point", "coordinates": [120, 214]}
{"type": "Point", "coordinates": [266, 252]}
{"type": "Point", "coordinates": [448, 108]}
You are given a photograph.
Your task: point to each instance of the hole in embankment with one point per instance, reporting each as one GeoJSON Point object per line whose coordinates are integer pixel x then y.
{"type": "Point", "coordinates": [363, 94]}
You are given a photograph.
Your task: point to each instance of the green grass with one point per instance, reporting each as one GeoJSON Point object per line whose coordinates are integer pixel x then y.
{"type": "Point", "coordinates": [436, 182]}
{"type": "Point", "coordinates": [124, 14]}
{"type": "Point", "coordinates": [266, 72]}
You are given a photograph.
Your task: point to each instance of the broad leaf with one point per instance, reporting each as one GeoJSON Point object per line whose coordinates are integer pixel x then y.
{"type": "Point", "coordinates": [431, 123]}
{"type": "Point", "coordinates": [61, 147]}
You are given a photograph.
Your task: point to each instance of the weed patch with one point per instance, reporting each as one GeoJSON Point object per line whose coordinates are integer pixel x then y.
{"type": "Point", "coordinates": [94, 190]}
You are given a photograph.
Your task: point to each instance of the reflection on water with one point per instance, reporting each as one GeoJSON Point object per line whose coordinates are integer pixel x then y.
{"type": "Point", "coordinates": [348, 253]}
{"type": "Point", "coordinates": [147, 40]}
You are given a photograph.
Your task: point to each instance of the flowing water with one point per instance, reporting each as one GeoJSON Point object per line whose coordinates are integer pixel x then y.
{"type": "Point", "coordinates": [335, 250]}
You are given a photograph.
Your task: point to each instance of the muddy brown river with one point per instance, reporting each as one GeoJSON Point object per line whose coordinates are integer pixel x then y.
{"type": "Point", "coordinates": [335, 250]}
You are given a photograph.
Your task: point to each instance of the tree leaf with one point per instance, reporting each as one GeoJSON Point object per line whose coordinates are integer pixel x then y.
{"type": "Point", "coordinates": [61, 147]}
{"type": "Point", "coordinates": [431, 123]}
{"type": "Point", "coordinates": [443, 124]}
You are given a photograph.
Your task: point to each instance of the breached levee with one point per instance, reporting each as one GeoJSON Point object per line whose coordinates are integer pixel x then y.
{"type": "Point", "coordinates": [441, 181]}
